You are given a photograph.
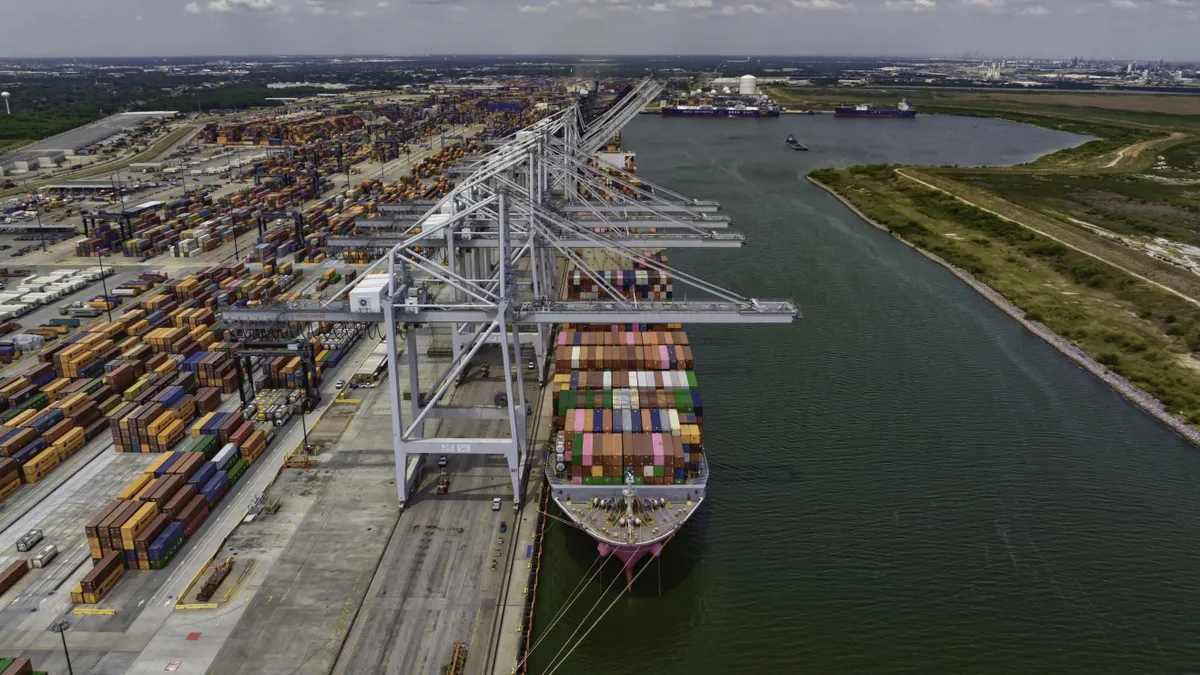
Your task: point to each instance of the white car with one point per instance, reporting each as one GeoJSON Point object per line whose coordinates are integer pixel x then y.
{"type": "Point", "coordinates": [339, 384]}
{"type": "Point", "coordinates": [443, 461]}
{"type": "Point", "coordinates": [496, 504]}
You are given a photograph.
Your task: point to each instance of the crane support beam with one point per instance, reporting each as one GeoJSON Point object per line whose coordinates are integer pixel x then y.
{"type": "Point", "coordinates": [488, 241]}
{"type": "Point", "coordinates": [694, 312]}
{"type": "Point", "coordinates": [633, 222]}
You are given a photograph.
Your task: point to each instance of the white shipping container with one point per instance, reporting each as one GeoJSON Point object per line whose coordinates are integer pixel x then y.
{"type": "Point", "coordinates": [225, 454]}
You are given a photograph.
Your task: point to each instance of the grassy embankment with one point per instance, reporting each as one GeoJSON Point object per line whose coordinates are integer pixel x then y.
{"type": "Point", "coordinates": [1137, 315]}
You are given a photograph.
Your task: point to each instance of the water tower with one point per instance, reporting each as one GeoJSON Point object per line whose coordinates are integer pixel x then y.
{"type": "Point", "coordinates": [747, 85]}
{"type": "Point", "coordinates": [4, 95]}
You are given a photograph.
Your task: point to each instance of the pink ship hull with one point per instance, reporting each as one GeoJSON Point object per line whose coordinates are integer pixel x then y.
{"type": "Point", "coordinates": [629, 555]}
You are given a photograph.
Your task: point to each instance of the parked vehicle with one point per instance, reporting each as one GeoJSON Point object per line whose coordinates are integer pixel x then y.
{"type": "Point", "coordinates": [29, 540]}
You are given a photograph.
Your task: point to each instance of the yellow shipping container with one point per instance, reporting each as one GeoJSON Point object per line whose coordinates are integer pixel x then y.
{"type": "Point", "coordinates": [21, 419]}
{"type": "Point", "coordinates": [171, 433]}
{"type": "Point", "coordinates": [51, 390]}
{"type": "Point", "coordinates": [14, 385]}
{"type": "Point", "coordinates": [162, 422]}
{"type": "Point", "coordinates": [72, 403]}
{"type": "Point", "coordinates": [71, 441]}
{"type": "Point", "coordinates": [157, 464]}
{"type": "Point", "coordinates": [137, 485]}
{"type": "Point", "coordinates": [137, 524]}
{"type": "Point", "coordinates": [199, 424]}
{"type": "Point", "coordinates": [41, 465]}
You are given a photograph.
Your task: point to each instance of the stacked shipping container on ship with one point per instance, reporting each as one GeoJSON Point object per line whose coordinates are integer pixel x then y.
{"type": "Point", "coordinates": [640, 284]}
{"type": "Point", "coordinates": [628, 421]}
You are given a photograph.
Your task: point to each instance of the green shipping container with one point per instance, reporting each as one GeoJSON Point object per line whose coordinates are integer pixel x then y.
{"type": "Point", "coordinates": [239, 468]}
{"type": "Point", "coordinates": [206, 444]}
{"type": "Point", "coordinates": [691, 377]}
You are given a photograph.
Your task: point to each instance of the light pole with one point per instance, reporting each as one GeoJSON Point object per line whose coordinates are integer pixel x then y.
{"type": "Point", "coordinates": [41, 232]}
{"type": "Point", "coordinates": [104, 285]}
{"type": "Point", "coordinates": [61, 627]}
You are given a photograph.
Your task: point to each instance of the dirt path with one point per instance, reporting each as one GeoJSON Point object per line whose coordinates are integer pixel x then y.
{"type": "Point", "coordinates": [1090, 254]}
{"type": "Point", "coordinates": [1136, 149]}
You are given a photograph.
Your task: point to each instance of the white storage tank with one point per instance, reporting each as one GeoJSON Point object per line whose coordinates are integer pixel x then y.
{"type": "Point", "coordinates": [748, 85]}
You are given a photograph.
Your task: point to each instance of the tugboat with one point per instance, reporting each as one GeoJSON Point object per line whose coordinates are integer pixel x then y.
{"type": "Point", "coordinates": [794, 144]}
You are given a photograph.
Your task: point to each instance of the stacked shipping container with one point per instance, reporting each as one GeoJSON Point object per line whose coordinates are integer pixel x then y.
{"type": "Point", "coordinates": [626, 405]}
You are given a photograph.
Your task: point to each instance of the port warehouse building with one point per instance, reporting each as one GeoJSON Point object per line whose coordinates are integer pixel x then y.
{"type": "Point", "coordinates": [78, 142]}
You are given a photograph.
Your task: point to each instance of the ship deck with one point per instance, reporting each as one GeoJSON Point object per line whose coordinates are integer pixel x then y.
{"type": "Point", "coordinates": [657, 524]}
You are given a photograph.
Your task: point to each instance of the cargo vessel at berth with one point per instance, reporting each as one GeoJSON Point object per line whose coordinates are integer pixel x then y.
{"type": "Point", "coordinates": [866, 110]}
{"type": "Point", "coordinates": [720, 109]}
{"type": "Point", "coordinates": [627, 462]}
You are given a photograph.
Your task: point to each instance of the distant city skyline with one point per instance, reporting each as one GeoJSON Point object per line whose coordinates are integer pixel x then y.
{"type": "Point", "coordinates": [1114, 29]}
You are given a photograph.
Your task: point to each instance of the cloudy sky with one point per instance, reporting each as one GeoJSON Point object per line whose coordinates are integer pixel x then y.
{"type": "Point", "coordinates": [1137, 29]}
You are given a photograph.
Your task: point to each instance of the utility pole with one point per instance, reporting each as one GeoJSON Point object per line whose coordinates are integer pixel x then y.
{"type": "Point", "coordinates": [61, 627]}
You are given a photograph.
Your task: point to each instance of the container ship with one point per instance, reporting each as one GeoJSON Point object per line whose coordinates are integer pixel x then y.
{"type": "Point", "coordinates": [866, 110]}
{"type": "Point", "coordinates": [627, 463]}
{"type": "Point", "coordinates": [720, 109]}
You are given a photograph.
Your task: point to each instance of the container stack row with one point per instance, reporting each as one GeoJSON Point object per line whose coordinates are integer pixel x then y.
{"type": "Point", "coordinates": [145, 527]}
{"type": "Point", "coordinates": [640, 284]}
{"type": "Point", "coordinates": [622, 350]}
{"type": "Point", "coordinates": [106, 377]}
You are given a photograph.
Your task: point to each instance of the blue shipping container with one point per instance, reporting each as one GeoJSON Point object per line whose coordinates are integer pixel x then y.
{"type": "Point", "coordinates": [219, 480]}
{"type": "Point", "coordinates": [203, 475]}
{"type": "Point", "coordinates": [166, 540]}
{"type": "Point", "coordinates": [162, 470]}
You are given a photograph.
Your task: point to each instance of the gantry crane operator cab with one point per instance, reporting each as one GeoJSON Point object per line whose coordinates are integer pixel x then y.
{"type": "Point", "coordinates": [415, 297]}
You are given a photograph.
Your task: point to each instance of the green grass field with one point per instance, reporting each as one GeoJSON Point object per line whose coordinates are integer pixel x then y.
{"type": "Point", "coordinates": [1128, 204]}
{"type": "Point", "coordinates": [6, 145]}
{"type": "Point", "coordinates": [1139, 330]}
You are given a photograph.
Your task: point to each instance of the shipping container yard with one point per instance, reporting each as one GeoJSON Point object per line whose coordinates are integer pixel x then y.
{"type": "Point", "coordinates": [208, 443]}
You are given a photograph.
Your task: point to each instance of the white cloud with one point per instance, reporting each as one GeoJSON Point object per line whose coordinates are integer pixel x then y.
{"type": "Point", "coordinates": [985, 3]}
{"type": "Point", "coordinates": [533, 9]}
{"type": "Point", "coordinates": [910, 5]}
{"type": "Point", "coordinates": [659, 7]}
{"type": "Point", "coordinates": [1036, 10]}
{"type": "Point", "coordinates": [382, 4]}
{"type": "Point", "coordinates": [821, 4]}
{"type": "Point", "coordinates": [1124, 4]}
{"type": "Point", "coordinates": [234, 5]}
{"type": "Point", "coordinates": [358, 13]}
{"type": "Point", "coordinates": [192, 8]}
{"type": "Point", "coordinates": [731, 10]}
